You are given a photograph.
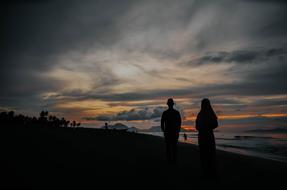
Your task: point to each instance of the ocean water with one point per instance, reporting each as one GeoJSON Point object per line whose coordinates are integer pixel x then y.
{"type": "Point", "coordinates": [265, 145]}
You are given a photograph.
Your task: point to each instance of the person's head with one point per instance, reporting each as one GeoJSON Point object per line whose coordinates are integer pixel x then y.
{"type": "Point", "coordinates": [205, 104]}
{"type": "Point", "coordinates": [206, 107]}
{"type": "Point", "coordinates": [170, 103]}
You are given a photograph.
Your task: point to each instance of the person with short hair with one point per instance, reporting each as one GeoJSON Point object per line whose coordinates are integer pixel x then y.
{"type": "Point", "coordinates": [170, 125]}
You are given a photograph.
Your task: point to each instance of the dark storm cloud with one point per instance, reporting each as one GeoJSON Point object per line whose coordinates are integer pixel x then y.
{"type": "Point", "coordinates": [22, 89]}
{"type": "Point", "coordinates": [269, 80]}
{"type": "Point", "coordinates": [34, 34]}
{"type": "Point", "coordinates": [271, 102]}
{"type": "Point", "coordinates": [50, 27]}
{"type": "Point", "coordinates": [129, 96]}
{"type": "Point", "coordinates": [131, 115]}
{"type": "Point", "coordinates": [273, 25]}
{"type": "Point", "coordinates": [53, 27]}
{"type": "Point", "coordinates": [241, 56]}
{"type": "Point", "coordinates": [266, 1]}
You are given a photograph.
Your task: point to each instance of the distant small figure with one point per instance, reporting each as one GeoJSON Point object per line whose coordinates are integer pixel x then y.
{"type": "Point", "coordinates": [106, 126]}
{"type": "Point", "coordinates": [185, 136]}
{"type": "Point", "coordinates": [170, 125]}
{"type": "Point", "coordinates": [206, 121]}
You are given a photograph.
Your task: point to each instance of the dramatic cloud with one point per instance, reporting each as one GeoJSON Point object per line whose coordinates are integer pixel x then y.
{"type": "Point", "coordinates": [95, 59]}
{"type": "Point", "coordinates": [131, 115]}
{"type": "Point", "coordinates": [242, 56]}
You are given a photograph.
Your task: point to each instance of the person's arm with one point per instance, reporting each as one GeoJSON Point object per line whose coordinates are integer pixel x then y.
{"type": "Point", "coordinates": [214, 124]}
{"type": "Point", "coordinates": [179, 122]}
{"type": "Point", "coordinates": [197, 124]}
{"type": "Point", "coordinates": [162, 122]}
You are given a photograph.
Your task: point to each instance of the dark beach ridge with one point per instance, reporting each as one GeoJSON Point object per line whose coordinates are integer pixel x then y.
{"type": "Point", "coordinates": [64, 157]}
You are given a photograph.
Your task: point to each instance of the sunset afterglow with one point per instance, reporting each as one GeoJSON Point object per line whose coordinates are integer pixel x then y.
{"type": "Point", "coordinates": [118, 63]}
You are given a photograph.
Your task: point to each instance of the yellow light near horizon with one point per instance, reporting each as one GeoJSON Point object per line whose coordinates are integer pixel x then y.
{"type": "Point", "coordinates": [275, 115]}
{"type": "Point", "coordinates": [252, 115]}
{"type": "Point", "coordinates": [243, 116]}
{"type": "Point", "coordinates": [188, 128]}
{"type": "Point", "coordinates": [92, 107]}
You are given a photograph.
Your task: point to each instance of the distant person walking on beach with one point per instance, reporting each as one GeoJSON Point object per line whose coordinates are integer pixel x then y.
{"type": "Point", "coordinates": [170, 125]}
{"type": "Point", "coordinates": [206, 121]}
{"type": "Point", "coordinates": [185, 136]}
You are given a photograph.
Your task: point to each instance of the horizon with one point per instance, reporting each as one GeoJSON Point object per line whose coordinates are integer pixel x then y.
{"type": "Point", "coordinates": [119, 62]}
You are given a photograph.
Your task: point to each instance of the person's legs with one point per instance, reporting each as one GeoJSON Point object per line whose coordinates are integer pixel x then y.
{"type": "Point", "coordinates": [209, 166]}
{"type": "Point", "coordinates": [204, 161]}
{"type": "Point", "coordinates": [175, 152]}
{"type": "Point", "coordinates": [168, 149]}
{"type": "Point", "coordinates": [171, 141]}
{"type": "Point", "coordinates": [213, 164]}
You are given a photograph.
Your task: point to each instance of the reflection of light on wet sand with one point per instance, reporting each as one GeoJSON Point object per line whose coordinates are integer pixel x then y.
{"type": "Point", "coordinates": [248, 146]}
{"type": "Point", "coordinates": [191, 138]}
{"type": "Point", "coordinates": [188, 140]}
{"type": "Point", "coordinates": [226, 142]}
{"type": "Point", "coordinates": [252, 153]}
{"type": "Point", "coordinates": [235, 150]}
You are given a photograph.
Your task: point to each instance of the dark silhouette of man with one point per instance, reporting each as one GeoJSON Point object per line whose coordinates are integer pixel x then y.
{"type": "Point", "coordinates": [170, 125]}
{"type": "Point", "coordinates": [185, 136]}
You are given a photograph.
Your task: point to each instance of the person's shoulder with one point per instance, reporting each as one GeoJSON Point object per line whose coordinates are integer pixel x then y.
{"type": "Point", "coordinates": [164, 112]}
{"type": "Point", "coordinates": [176, 111]}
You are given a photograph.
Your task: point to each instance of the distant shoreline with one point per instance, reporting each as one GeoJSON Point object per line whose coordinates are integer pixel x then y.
{"type": "Point", "coordinates": [275, 130]}
{"type": "Point", "coordinates": [230, 149]}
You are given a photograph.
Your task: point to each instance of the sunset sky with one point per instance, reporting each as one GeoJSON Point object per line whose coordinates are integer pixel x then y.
{"type": "Point", "coordinates": [119, 60]}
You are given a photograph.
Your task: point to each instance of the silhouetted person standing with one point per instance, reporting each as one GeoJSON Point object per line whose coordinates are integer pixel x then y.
{"type": "Point", "coordinates": [206, 121]}
{"type": "Point", "coordinates": [170, 125]}
{"type": "Point", "coordinates": [185, 136]}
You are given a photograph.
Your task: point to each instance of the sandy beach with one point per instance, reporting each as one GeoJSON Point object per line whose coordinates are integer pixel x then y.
{"type": "Point", "coordinates": [54, 157]}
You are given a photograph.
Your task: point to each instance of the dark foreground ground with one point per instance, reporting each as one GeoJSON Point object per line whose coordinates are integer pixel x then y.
{"type": "Point", "coordinates": [65, 157]}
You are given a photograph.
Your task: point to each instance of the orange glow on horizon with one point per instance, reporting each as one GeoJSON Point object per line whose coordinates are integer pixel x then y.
{"type": "Point", "coordinates": [243, 116]}
{"type": "Point", "coordinates": [188, 128]}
